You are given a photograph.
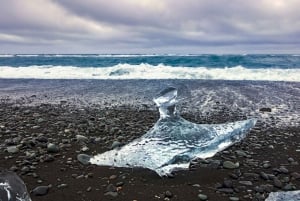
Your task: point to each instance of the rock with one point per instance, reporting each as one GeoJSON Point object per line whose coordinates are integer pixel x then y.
{"type": "Point", "coordinates": [230, 165]}
{"type": "Point", "coordinates": [42, 139]}
{"type": "Point", "coordinates": [251, 175]}
{"type": "Point", "coordinates": [241, 153]}
{"type": "Point", "coordinates": [277, 183]}
{"type": "Point", "coordinates": [283, 170]}
{"type": "Point", "coordinates": [266, 165]}
{"type": "Point", "coordinates": [40, 120]}
{"type": "Point", "coordinates": [40, 190]}
{"type": "Point", "coordinates": [62, 185]}
{"type": "Point", "coordinates": [287, 187]}
{"type": "Point", "coordinates": [112, 194]}
{"type": "Point", "coordinates": [264, 176]}
{"type": "Point", "coordinates": [234, 199]}
{"type": "Point", "coordinates": [246, 183]}
{"type": "Point", "coordinates": [225, 190]}
{"type": "Point", "coordinates": [259, 189]}
{"type": "Point", "coordinates": [81, 138]}
{"type": "Point", "coordinates": [48, 158]}
{"type": "Point", "coordinates": [83, 159]}
{"type": "Point", "coordinates": [265, 109]}
{"type": "Point", "coordinates": [268, 188]}
{"type": "Point", "coordinates": [121, 183]}
{"type": "Point", "coordinates": [111, 188]}
{"type": "Point", "coordinates": [26, 112]}
{"type": "Point", "coordinates": [227, 183]}
{"type": "Point", "coordinates": [25, 169]}
{"type": "Point", "coordinates": [115, 144]}
{"type": "Point", "coordinates": [52, 148]}
{"type": "Point", "coordinates": [168, 194]}
{"type": "Point", "coordinates": [85, 149]}
{"type": "Point", "coordinates": [113, 177]}
{"type": "Point", "coordinates": [12, 149]}
{"type": "Point", "coordinates": [295, 175]}
{"type": "Point", "coordinates": [202, 196]}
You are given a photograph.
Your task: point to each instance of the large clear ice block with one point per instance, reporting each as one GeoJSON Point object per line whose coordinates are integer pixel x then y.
{"type": "Point", "coordinates": [173, 142]}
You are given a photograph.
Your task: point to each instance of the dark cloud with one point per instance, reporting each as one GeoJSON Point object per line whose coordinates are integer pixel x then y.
{"type": "Point", "coordinates": [149, 25]}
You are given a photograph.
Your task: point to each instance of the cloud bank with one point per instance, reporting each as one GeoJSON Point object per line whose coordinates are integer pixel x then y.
{"type": "Point", "coordinates": [149, 26]}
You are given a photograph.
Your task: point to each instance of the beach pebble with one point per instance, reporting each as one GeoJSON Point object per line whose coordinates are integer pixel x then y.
{"type": "Point", "coordinates": [230, 165]}
{"type": "Point", "coordinates": [246, 183]}
{"type": "Point", "coordinates": [266, 165]}
{"type": "Point", "coordinates": [40, 190]}
{"type": "Point", "coordinates": [112, 194]}
{"type": "Point", "coordinates": [234, 199]}
{"type": "Point", "coordinates": [287, 187]}
{"type": "Point", "coordinates": [241, 153]}
{"type": "Point", "coordinates": [62, 185]}
{"type": "Point", "coordinates": [83, 159]}
{"type": "Point", "coordinates": [52, 148]}
{"type": "Point", "coordinates": [26, 112]}
{"type": "Point", "coordinates": [81, 138]}
{"type": "Point", "coordinates": [202, 196]}
{"type": "Point", "coordinates": [42, 139]}
{"type": "Point", "coordinates": [225, 190]}
{"type": "Point", "coordinates": [227, 183]}
{"type": "Point", "coordinates": [113, 177]}
{"type": "Point", "coordinates": [264, 176]}
{"type": "Point", "coordinates": [265, 109]}
{"type": "Point", "coordinates": [283, 170]}
{"type": "Point", "coordinates": [168, 194]}
{"type": "Point", "coordinates": [111, 188]}
{"type": "Point", "coordinates": [40, 120]}
{"type": "Point", "coordinates": [251, 175]}
{"type": "Point", "coordinates": [85, 149]}
{"type": "Point", "coordinates": [295, 175]}
{"type": "Point", "coordinates": [12, 149]}
{"type": "Point", "coordinates": [115, 144]}
{"type": "Point", "coordinates": [277, 182]}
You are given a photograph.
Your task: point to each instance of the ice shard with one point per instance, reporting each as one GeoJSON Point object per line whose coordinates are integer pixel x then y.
{"type": "Point", "coordinates": [173, 142]}
{"type": "Point", "coordinates": [12, 187]}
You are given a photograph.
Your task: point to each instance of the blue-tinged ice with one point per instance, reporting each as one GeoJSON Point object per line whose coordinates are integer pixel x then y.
{"type": "Point", "coordinates": [173, 142]}
{"type": "Point", "coordinates": [12, 187]}
{"type": "Point", "coordinates": [284, 196]}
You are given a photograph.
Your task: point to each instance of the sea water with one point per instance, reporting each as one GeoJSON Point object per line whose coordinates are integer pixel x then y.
{"type": "Point", "coordinates": [151, 66]}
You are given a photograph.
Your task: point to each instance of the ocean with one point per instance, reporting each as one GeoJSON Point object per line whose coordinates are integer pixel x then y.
{"type": "Point", "coordinates": [264, 67]}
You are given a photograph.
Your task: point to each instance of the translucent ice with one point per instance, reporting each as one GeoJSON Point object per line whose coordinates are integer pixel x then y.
{"type": "Point", "coordinates": [284, 196]}
{"type": "Point", "coordinates": [173, 142]}
{"type": "Point", "coordinates": [12, 188]}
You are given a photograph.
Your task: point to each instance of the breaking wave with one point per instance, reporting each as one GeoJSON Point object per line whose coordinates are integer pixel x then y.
{"type": "Point", "coordinates": [147, 71]}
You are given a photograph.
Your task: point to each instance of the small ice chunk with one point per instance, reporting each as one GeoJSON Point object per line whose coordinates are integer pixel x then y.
{"type": "Point", "coordinates": [12, 187]}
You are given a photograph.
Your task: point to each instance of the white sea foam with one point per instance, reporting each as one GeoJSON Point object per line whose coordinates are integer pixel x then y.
{"type": "Point", "coordinates": [98, 55]}
{"type": "Point", "coordinates": [147, 71]}
{"type": "Point", "coordinates": [6, 55]}
{"type": "Point", "coordinates": [27, 55]}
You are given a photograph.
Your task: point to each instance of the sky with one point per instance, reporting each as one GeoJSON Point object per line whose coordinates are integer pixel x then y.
{"type": "Point", "coordinates": [149, 26]}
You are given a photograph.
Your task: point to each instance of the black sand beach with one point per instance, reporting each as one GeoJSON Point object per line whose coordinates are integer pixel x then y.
{"type": "Point", "coordinates": [35, 113]}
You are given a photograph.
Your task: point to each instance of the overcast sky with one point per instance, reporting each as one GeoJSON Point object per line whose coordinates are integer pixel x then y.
{"type": "Point", "coordinates": [149, 26]}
